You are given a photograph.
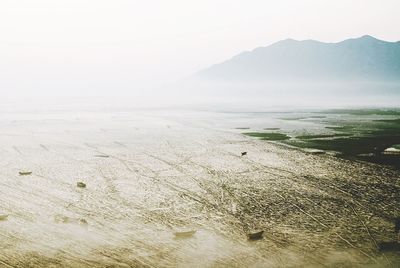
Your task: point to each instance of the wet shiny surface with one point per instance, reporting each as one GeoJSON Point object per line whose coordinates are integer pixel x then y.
{"type": "Point", "coordinates": [171, 172]}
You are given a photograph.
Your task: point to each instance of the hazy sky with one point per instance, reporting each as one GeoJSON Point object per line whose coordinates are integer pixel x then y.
{"type": "Point", "coordinates": [57, 45]}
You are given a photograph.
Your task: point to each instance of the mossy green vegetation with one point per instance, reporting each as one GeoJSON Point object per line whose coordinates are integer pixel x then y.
{"type": "Point", "coordinates": [322, 136]}
{"type": "Point", "coordinates": [357, 138]}
{"type": "Point", "coordinates": [395, 121]}
{"type": "Point", "coordinates": [361, 134]}
{"type": "Point", "coordinates": [271, 136]}
{"type": "Point", "coordinates": [340, 128]}
{"type": "Point", "coordinates": [272, 128]}
{"type": "Point", "coordinates": [317, 116]}
{"type": "Point", "coordinates": [394, 112]}
{"type": "Point", "coordinates": [396, 146]}
{"type": "Point", "coordinates": [293, 118]}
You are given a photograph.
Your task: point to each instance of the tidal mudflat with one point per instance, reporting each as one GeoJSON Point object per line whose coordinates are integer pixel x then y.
{"type": "Point", "coordinates": [171, 188]}
{"type": "Point", "coordinates": [371, 135]}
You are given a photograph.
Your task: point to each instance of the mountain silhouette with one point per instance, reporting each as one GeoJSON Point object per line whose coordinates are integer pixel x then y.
{"type": "Point", "coordinates": [359, 59]}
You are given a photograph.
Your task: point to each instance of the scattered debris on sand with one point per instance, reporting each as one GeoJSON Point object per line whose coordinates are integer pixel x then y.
{"type": "Point", "coordinates": [3, 217]}
{"type": "Point", "coordinates": [255, 236]}
{"type": "Point", "coordinates": [102, 155]}
{"type": "Point", "coordinates": [188, 198]}
{"type": "Point", "coordinates": [185, 234]}
{"type": "Point", "coordinates": [25, 173]}
{"type": "Point", "coordinates": [61, 219]}
{"type": "Point", "coordinates": [83, 222]}
{"type": "Point", "coordinates": [81, 184]}
{"type": "Point", "coordinates": [66, 219]}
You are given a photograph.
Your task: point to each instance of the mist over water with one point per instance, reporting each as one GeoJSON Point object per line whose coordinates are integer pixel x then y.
{"type": "Point", "coordinates": [222, 96]}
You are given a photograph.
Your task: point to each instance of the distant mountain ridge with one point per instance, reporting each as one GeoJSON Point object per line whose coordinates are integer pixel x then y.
{"type": "Point", "coordinates": [365, 58]}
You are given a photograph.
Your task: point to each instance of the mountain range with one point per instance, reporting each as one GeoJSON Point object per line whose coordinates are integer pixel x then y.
{"type": "Point", "coordinates": [358, 59]}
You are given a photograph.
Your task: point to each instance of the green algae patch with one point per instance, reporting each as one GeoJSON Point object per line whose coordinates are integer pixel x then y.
{"type": "Point", "coordinates": [268, 136]}
{"type": "Point", "coordinates": [272, 128]}
{"type": "Point", "coordinates": [341, 128]}
{"type": "Point", "coordinates": [322, 136]}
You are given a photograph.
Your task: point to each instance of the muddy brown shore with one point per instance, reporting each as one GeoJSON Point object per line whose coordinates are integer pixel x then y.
{"type": "Point", "coordinates": [160, 175]}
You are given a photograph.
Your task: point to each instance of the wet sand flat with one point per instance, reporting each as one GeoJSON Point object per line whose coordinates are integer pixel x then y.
{"type": "Point", "coordinates": [152, 174]}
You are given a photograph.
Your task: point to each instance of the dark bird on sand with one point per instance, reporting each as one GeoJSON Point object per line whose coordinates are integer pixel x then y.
{"type": "Point", "coordinates": [255, 236]}
{"type": "Point", "coordinates": [102, 155]}
{"type": "Point", "coordinates": [244, 153]}
{"type": "Point", "coordinates": [81, 184]}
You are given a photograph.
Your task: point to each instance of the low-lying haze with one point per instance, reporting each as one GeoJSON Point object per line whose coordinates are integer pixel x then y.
{"type": "Point", "coordinates": [84, 47]}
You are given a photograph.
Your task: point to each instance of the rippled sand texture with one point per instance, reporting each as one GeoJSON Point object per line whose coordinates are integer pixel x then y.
{"type": "Point", "coordinates": [182, 171]}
